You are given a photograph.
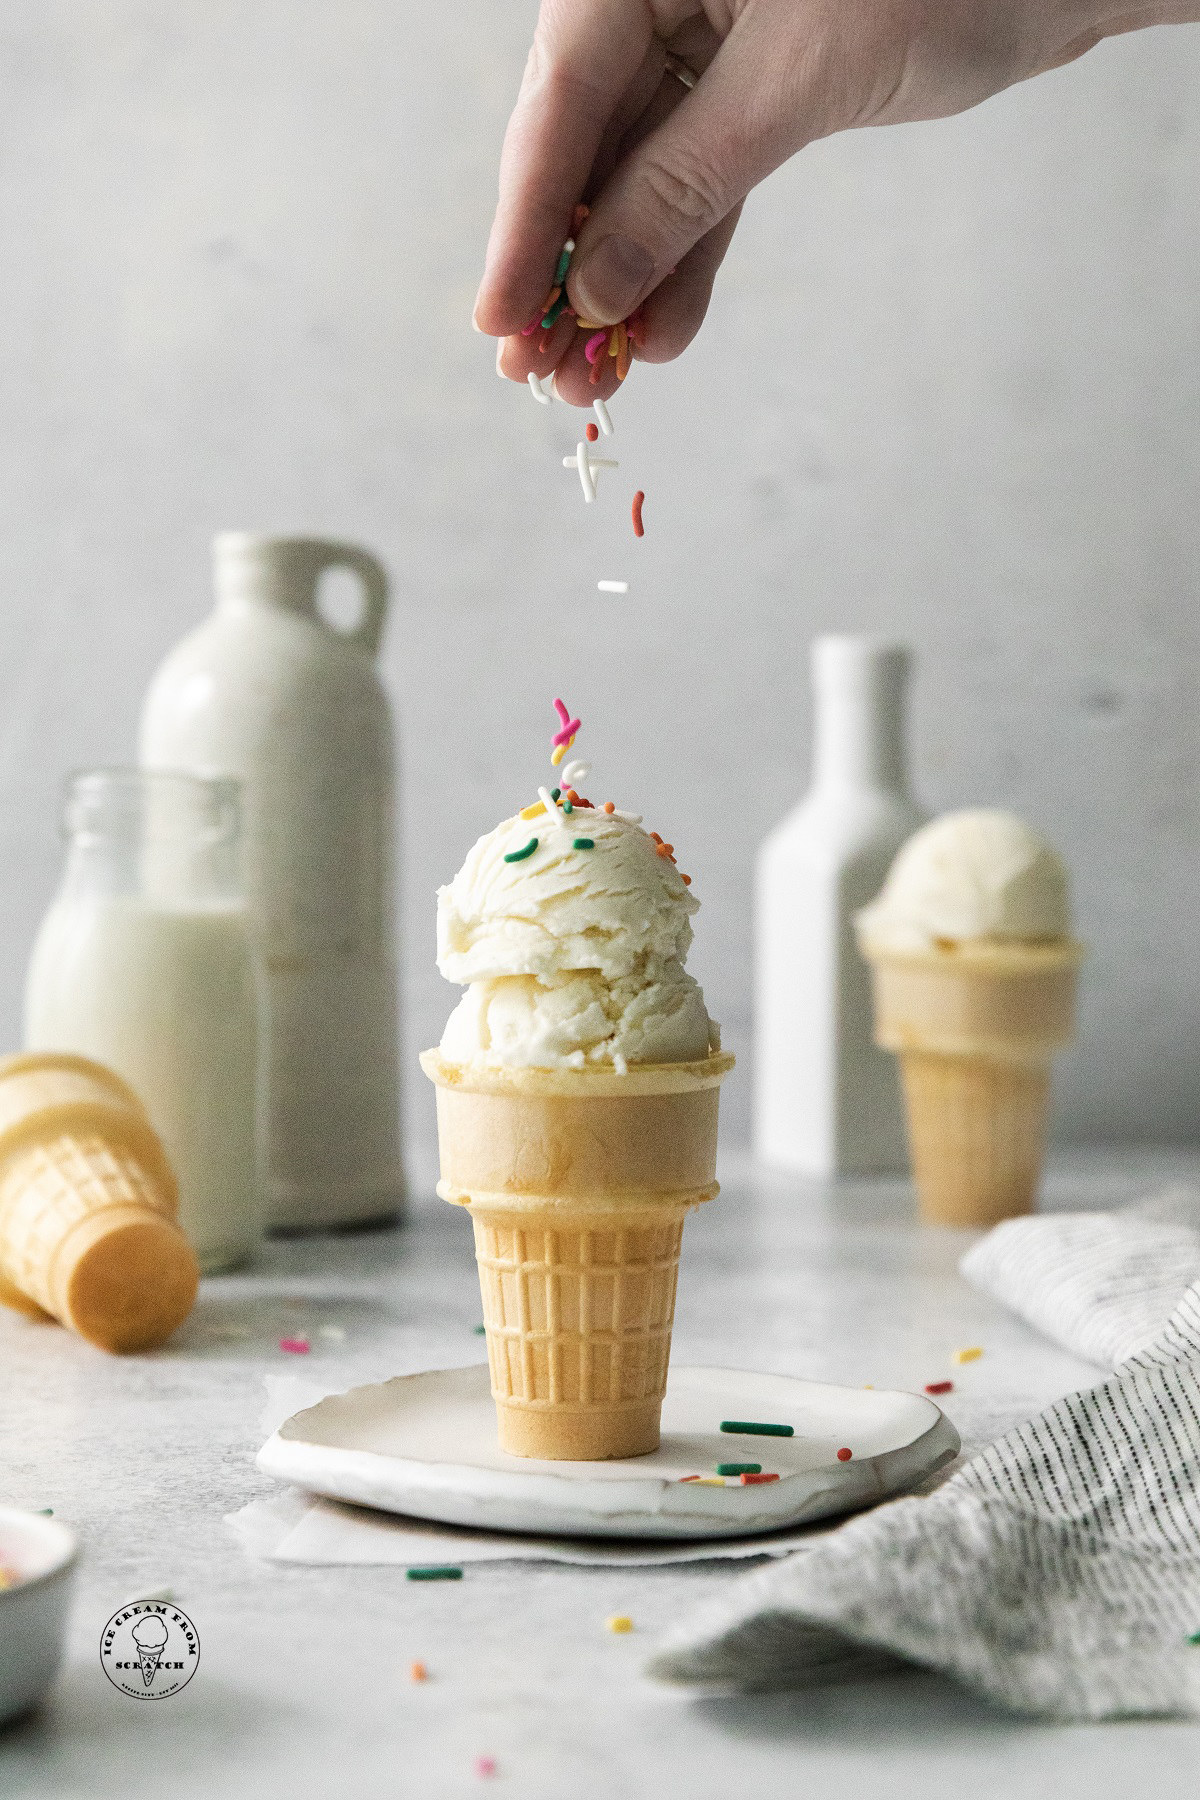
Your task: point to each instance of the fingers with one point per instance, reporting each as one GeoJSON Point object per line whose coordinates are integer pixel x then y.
{"type": "Point", "coordinates": [686, 177]}
{"type": "Point", "coordinates": [583, 59]}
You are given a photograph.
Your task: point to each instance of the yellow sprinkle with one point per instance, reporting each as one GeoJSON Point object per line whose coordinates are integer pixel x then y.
{"type": "Point", "coordinates": [558, 752]}
{"type": "Point", "coordinates": [972, 1354]}
{"type": "Point", "coordinates": [620, 1623]}
{"type": "Point", "coordinates": [531, 812]}
{"type": "Point", "coordinates": [589, 324]}
{"type": "Point", "coordinates": [709, 1481]}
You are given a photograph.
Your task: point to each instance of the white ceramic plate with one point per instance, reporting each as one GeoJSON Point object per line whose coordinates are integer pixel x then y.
{"type": "Point", "coordinates": [425, 1445]}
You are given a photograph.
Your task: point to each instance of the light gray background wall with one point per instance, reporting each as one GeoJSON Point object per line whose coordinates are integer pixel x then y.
{"type": "Point", "coordinates": [949, 389]}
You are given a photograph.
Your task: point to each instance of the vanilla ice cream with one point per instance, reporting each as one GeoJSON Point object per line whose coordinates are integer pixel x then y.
{"type": "Point", "coordinates": [572, 952]}
{"type": "Point", "coordinates": [967, 877]}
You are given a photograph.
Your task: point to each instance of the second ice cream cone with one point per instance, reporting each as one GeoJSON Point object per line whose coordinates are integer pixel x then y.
{"type": "Point", "coordinates": [578, 1183]}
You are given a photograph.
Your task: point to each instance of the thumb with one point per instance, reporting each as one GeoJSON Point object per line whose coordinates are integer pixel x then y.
{"type": "Point", "coordinates": [737, 125]}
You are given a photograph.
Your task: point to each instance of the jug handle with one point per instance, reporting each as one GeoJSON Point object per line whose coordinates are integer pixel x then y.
{"type": "Point", "coordinates": [368, 633]}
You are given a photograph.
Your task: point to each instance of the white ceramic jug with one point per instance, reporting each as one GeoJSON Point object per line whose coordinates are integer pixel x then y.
{"type": "Point", "coordinates": [826, 1100]}
{"type": "Point", "coordinates": [269, 691]}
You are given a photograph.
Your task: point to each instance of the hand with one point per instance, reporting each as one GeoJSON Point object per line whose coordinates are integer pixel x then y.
{"type": "Point", "coordinates": [664, 170]}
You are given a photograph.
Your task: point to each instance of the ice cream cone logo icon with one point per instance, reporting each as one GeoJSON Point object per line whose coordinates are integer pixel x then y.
{"type": "Point", "coordinates": [150, 1636]}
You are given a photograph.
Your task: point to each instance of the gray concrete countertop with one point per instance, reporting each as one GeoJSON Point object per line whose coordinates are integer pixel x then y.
{"type": "Point", "coordinates": [303, 1687]}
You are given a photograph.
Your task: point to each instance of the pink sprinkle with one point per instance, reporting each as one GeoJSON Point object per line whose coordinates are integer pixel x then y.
{"type": "Point", "coordinates": [566, 734]}
{"type": "Point", "coordinates": [593, 346]}
{"type": "Point", "coordinates": [561, 710]}
{"type": "Point", "coordinates": [528, 330]}
{"type": "Point", "coordinates": [295, 1346]}
{"type": "Point", "coordinates": [485, 1765]}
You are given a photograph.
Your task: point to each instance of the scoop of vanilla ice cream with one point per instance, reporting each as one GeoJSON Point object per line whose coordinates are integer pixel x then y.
{"type": "Point", "coordinates": [571, 957]}
{"type": "Point", "coordinates": [607, 908]}
{"type": "Point", "coordinates": [969, 875]}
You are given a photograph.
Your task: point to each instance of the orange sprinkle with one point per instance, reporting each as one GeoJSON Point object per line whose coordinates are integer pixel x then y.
{"type": "Point", "coordinates": [572, 796]}
{"type": "Point", "coordinates": [661, 850]}
{"type": "Point", "coordinates": [593, 432]}
{"type": "Point", "coordinates": [686, 879]}
{"type": "Point", "coordinates": [418, 1672]}
{"type": "Point", "coordinates": [577, 218]}
{"type": "Point", "coordinates": [594, 377]}
{"type": "Point", "coordinates": [551, 297]}
{"type": "Point", "coordinates": [622, 352]}
{"type": "Point", "coordinates": [609, 807]}
{"type": "Point", "coordinates": [545, 343]}
{"type": "Point", "coordinates": [656, 837]}
{"type": "Point", "coordinates": [639, 530]}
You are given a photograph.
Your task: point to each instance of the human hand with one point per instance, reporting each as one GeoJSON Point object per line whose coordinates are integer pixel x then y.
{"type": "Point", "coordinates": [664, 170]}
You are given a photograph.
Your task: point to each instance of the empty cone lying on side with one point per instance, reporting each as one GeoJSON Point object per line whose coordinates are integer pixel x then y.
{"type": "Point", "coordinates": [577, 1093]}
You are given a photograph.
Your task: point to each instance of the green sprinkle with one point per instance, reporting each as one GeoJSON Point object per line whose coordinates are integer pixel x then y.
{"type": "Point", "coordinates": [1194, 1637]}
{"type": "Point", "coordinates": [555, 792]}
{"type": "Point", "coordinates": [567, 807]}
{"type": "Point", "coordinates": [564, 263]}
{"type": "Point", "coordinates": [584, 844]}
{"type": "Point", "coordinates": [555, 313]}
{"type": "Point", "coordinates": [435, 1572]}
{"type": "Point", "coordinates": [754, 1428]}
{"type": "Point", "coordinates": [479, 1330]}
{"type": "Point", "coordinates": [739, 1468]}
{"type": "Point", "coordinates": [520, 855]}
{"type": "Point", "coordinates": [45, 1512]}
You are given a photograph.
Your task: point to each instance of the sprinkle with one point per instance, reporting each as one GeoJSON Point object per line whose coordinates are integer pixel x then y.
{"type": "Point", "coordinates": [601, 412]}
{"type": "Point", "coordinates": [752, 1428]}
{"type": "Point", "coordinates": [418, 1672]}
{"type": "Point", "coordinates": [584, 844]}
{"type": "Point", "coordinates": [757, 1480]}
{"type": "Point", "coordinates": [938, 1387]}
{"type": "Point", "coordinates": [45, 1512]}
{"type": "Point", "coordinates": [435, 1572]}
{"type": "Point", "coordinates": [485, 1765]}
{"type": "Point", "coordinates": [479, 1330]}
{"type": "Point", "coordinates": [563, 711]}
{"type": "Point", "coordinates": [555, 314]}
{"type": "Point", "coordinates": [516, 856]}
{"type": "Point", "coordinates": [587, 466]}
{"type": "Point", "coordinates": [972, 1354]}
{"type": "Point", "coordinates": [619, 1622]}
{"type": "Point", "coordinates": [710, 1481]}
{"type": "Point", "coordinates": [621, 1067]}
{"type": "Point", "coordinates": [613, 587]}
{"type": "Point", "coordinates": [567, 734]}
{"type": "Point", "coordinates": [558, 752]}
{"type": "Point", "coordinates": [689, 1478]}
{"type": "Point", "coordinates": [686, 880]}
{"type": "Point", "coordinates": [739, 1468]}
{"type": "Point", "coordinates": [555, 792]}
{"type": "Point", "coordinates": [567, 807]}
{"type": "Point", "coordinates": [592, 349]}
{"type": "Point", "coordinates": [574, 772]}
{"type": "Point", "coordinates": [591, 433]}
{"type": "Point", "coordinates": [639, 530]}
{"type": "Point", "coordinates": [564, 261]}
{"type": "Point", "coordinates": [608, 807]}
{"type": "Point", "coordinates": [531, 812]}
{"type": "Point", "coordinates": [577, 217]}
{"type": "Point", "coordinates": [621, 351]}
{"type": "Point", "coordinates": [548, 803]}
{"type": "Point", "coordinates": [536, 389]}
{"type": "Point", "coordinates": [1194, 1637]}
{"type": "Point", "coordinates": [844, 1455]}
{"type": "Point", "coordinates": [528, 330]}
{"type": "Point", "coordinates": [295, 1346]}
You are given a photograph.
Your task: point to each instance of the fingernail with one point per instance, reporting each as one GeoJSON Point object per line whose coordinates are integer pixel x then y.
{"type": "Point", "coordinates": [609, 282]}
{"type": "Point", "coordinates": [476, 326]}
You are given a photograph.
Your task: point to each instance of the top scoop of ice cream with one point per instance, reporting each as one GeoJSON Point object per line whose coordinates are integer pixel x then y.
{"type": "Point", "coordinates": [608, 908]}
{"type": "Point", "coordinates": [572, 956]}
{"type": "Point", "coordinates": [965, 877]}
{"type": "Point", "coordinates": [150, 1633]}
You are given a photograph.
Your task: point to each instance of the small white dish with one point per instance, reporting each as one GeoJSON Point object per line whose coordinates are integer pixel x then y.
{"type": "Point", "coordinates": [33, 1613]}
{"type": "Point", "coordinates": [425, 1445]}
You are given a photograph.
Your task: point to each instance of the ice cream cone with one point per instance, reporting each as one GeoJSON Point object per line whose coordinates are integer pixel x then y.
{"type": "Point", "coordinates": [578, 1183]}
{"type": "Point", "coordinates": [148, 1662]}
{"type": "Point", "coordinates": [975, 1026]}
{"type": "Point", "coordinates": [88, 1204]}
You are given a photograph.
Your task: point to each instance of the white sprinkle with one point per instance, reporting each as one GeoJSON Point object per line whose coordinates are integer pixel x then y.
{"type": "Point", "coordinates": [596, 462]}
{"type": "Point", "coordinates": [572, 773]}
{"type": "Point", "coordinates": [536, 389]}
{"type": "Point", "coordinates": [552, 807]}
{"type": "Point", "coordinates": [601, 412]}
{"type": "Point", "coordinates": [619, 1064]}
{"type": "Point", "coordinates": [613, 587]}
{"type": "Point", "coordinates": [629, 818]}
{"type": "Point", "coordinates": [570, 244]}
{"type": "Point", "coordinates": [587, 478]}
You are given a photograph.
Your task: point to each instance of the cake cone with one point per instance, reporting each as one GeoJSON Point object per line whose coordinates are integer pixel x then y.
{"type": "Point", "coordinates": [578, 1183]}
{"type": "Point", "coordinates": [975, 1027]}
{"type": "Point", "coordinates": [88, 1205]}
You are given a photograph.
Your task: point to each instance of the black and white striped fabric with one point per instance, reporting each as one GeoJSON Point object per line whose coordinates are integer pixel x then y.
{"type": "Point", "coordinates": [1057, 1573]}
{"type": "Point", "coordinates": [1101, 1283]}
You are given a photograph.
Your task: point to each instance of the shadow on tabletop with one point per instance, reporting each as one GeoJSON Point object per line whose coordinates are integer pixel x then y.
{"type": "Point", "coordinates": [894, 1707]}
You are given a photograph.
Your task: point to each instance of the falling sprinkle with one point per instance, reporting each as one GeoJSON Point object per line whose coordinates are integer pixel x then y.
{"type": "Point", "coordinates": [601, 412]}
{"type": "Point", "coordinates": [295, 1346]}
{"type": "Point", "coordinates": [938, 1387]}
{"type": "Point", "coordinates": [844, 1455]}
{"type": "Point", "coordinates": [613, 587]}
{"type": "Point", "coordinates": [639, 530]}
{"type": "Point", "coordinates": [971, 1354]}
{"type": "Point", "coordinates": [619, 1622]}
{"type": "Point", "coordinates": [592, 433]}
{"type": "Point", "coordinates": [418, 1672]}
{"type": "Point", "coordinates": [514, 856]}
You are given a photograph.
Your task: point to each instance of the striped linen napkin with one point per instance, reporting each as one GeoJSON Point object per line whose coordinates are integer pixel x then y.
{"type": "Point", "coordinates": [1057, 1573]}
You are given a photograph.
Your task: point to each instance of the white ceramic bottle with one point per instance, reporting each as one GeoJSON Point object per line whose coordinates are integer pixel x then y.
{"type": "Point", "coordinates": [145, 962]}
{"type": "Point", "coordinates": [826, 1100]}
{"type": "Point", "coordinates": [268, 690]}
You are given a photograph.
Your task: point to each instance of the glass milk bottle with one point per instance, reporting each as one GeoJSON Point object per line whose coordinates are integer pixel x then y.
{"type": "Point", "coordinates": [269, 690]}
{"type": "Point", "coordinates": [827, 1101]}
{"type": "Point", "coordinates": [145, 962]}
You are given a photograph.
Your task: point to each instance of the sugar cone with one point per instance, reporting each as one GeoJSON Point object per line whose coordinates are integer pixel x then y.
{"type": "Point", "coordinates": [975, 1027]}
{"type": "Point", "coordinates": [88, 1205]}
{"type": "Point", "coordinates": [578, 1183]}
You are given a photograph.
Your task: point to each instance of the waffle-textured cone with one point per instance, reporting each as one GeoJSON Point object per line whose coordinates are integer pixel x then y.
{"type": "Point", "coordinates": [88, 1203]}
{"type": "Point", "coordinates": [578, 1183]}
{"type": "Point", "coordinates": [975, 1028]}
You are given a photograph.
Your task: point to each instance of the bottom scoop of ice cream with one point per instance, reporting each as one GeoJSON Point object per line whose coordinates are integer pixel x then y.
{"type": "Point", "coordinates": [968, 877]}
{"type": "Point", "coordinates": [571, 931]}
